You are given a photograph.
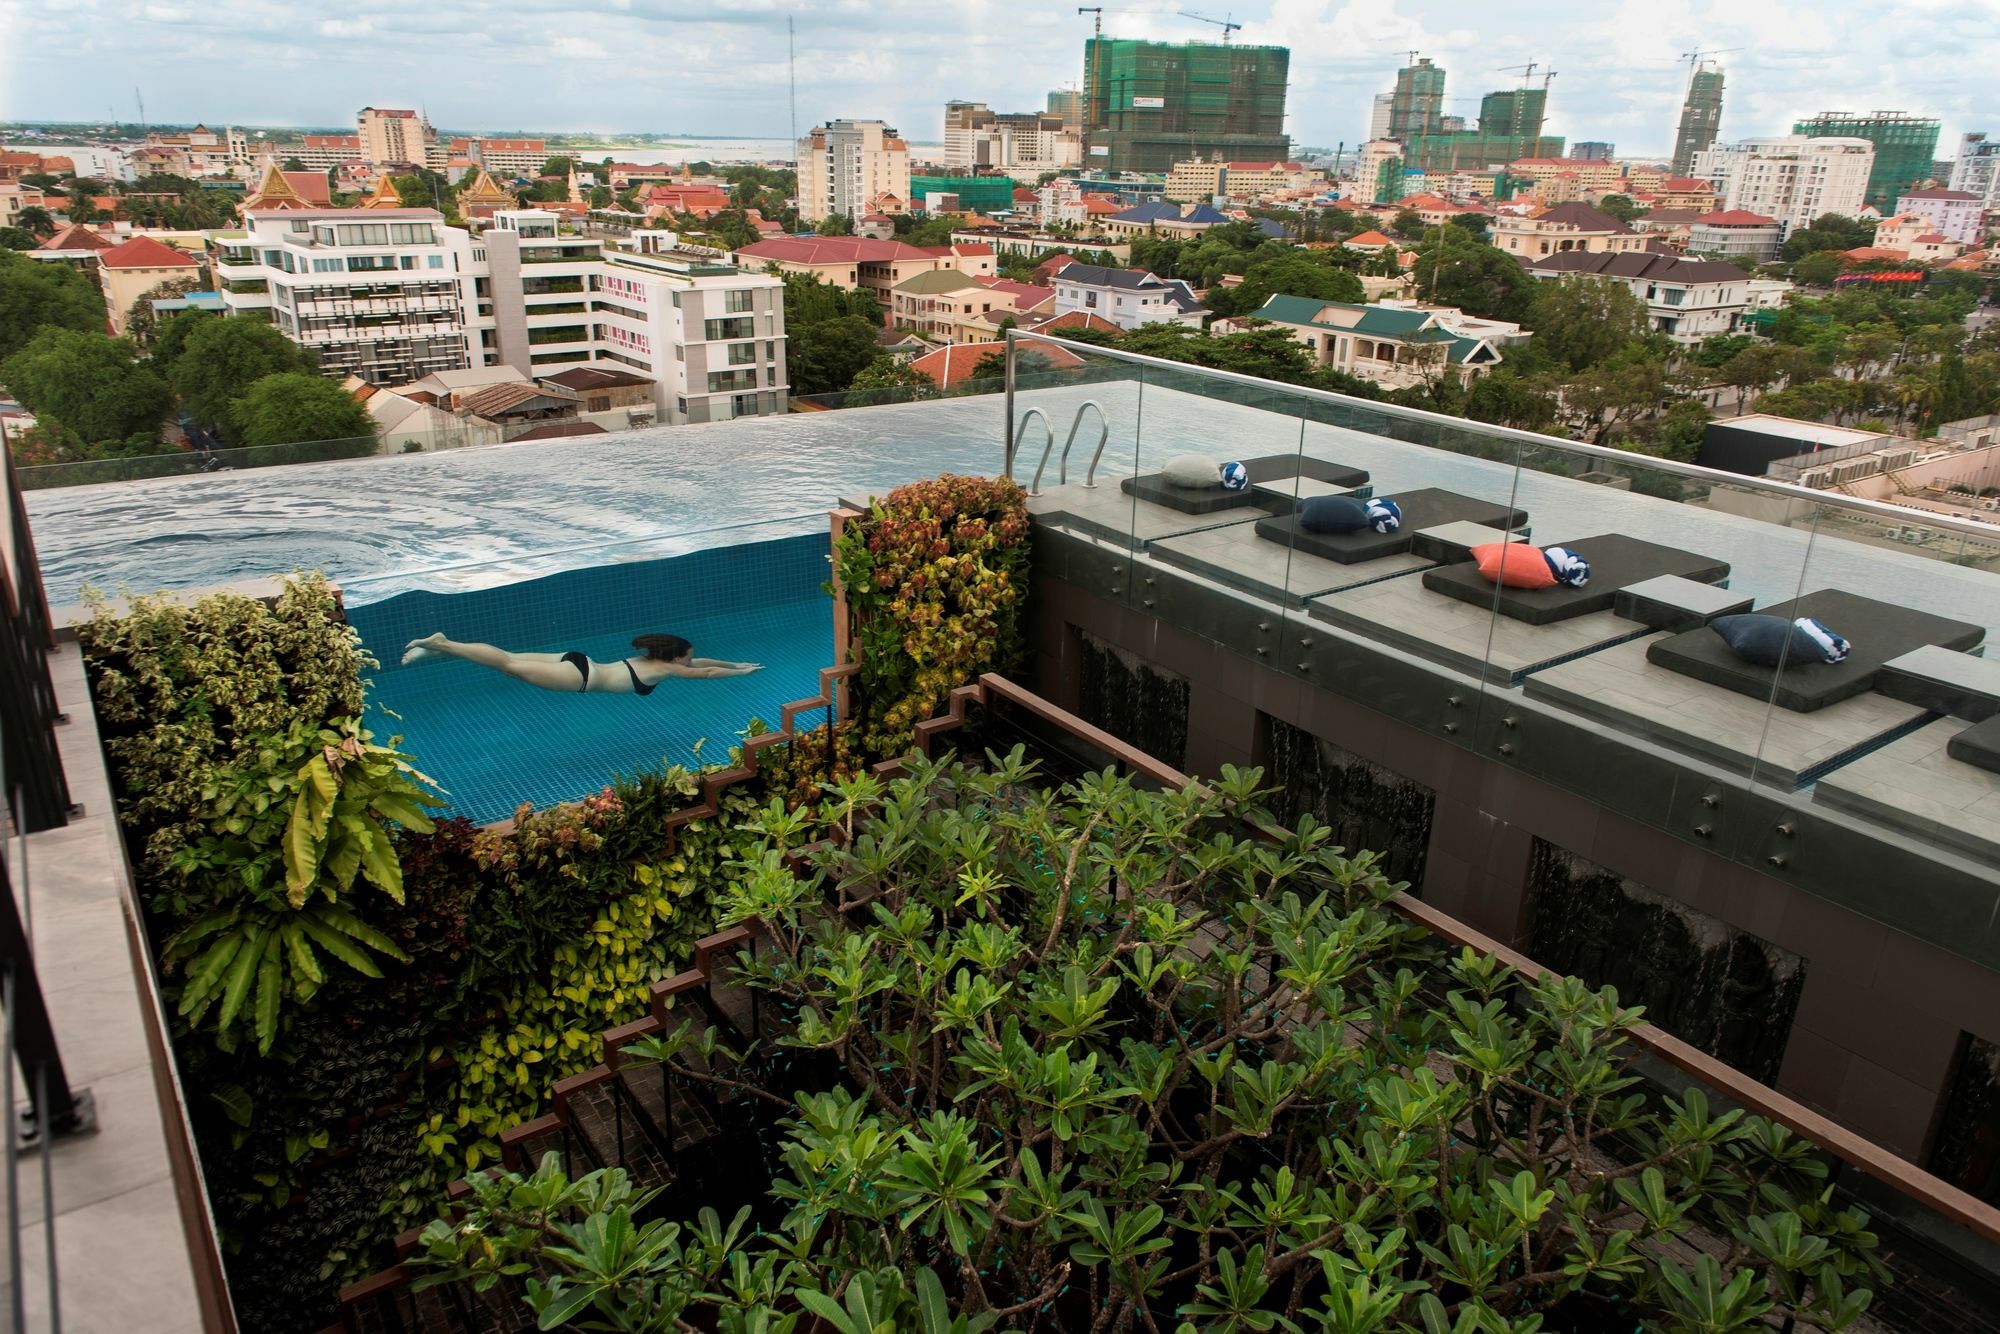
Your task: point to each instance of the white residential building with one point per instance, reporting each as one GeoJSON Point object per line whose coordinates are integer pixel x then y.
{"type": "Point", "coordinates": [1687, 299]}
{"type": "Point", "coordinates": [846, 166]}
{"type": "Point", "coordinates": [1976, 170]}
{"type": "Point", "coordinates": [391, 137]}
{"type": "Point", "coordinates": [1127, 298]}
{"type": "Point", "coordinates": [1959, 214]}
{"type": "Point", "coordinates": [393, 295]}
{"type": "Point", "coordinates": [1792, 178]}
{"type": "Point", "coordinates": [1027, 142]}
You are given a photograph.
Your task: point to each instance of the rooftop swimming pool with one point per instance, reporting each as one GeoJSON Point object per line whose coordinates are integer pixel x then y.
{"type": "Point", "coordinates": [474, 518]}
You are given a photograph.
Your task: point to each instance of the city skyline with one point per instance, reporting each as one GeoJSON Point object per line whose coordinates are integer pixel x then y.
{"type": "Point", "coordinates": [629, 66]}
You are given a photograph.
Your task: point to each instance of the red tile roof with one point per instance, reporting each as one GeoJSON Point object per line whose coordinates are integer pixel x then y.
{"type": "Point", "coordinates": [143, 252]}
{"type": "Point", "coordinates": [1939, 194]}
{"type": "Point", "coordinates": [1369, 237]}
{"type": "Point", "coordinates": [952, 366]}
{"type": "Point", "coordinates": [352, 141]}
{"type": "Point", "coordinates": [1682, 184]}
{"type": "Point", "coordinates": [1076, 319]}
{"type": "Point", "coordinates": [311, 186]}
{"type": "Point", "coordinates": [1737, 217]}
{"type": "Point", "coordinates": [1932, 238]}
{"type": "Point", "coordinates": [1026, 296]}
{"type": "Point", "coordinates": [970, 248]}
{"type": "Point", "coordinates": [76, 236]}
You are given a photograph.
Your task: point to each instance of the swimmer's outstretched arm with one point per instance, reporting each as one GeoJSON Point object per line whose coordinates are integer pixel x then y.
{"type": "Point", "coordinates": [709, 667]}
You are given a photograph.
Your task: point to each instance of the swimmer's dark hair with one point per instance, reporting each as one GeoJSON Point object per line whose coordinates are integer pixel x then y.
{"type": "Point", "coordinates": [663, 648]}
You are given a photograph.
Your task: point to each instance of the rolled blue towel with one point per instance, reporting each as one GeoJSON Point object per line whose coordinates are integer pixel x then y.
{"type": "Point", "coordinates": [1766, 640]}
{"type": "Point", "coordinates": [1567, 567]}
{"type": "Point", "coordinates": [1344, 514]}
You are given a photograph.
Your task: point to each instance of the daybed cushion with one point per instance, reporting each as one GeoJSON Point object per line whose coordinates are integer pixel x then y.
{"type": "Point", "coordinates": [1616, 560]}
{"type": "Point", "coordinates": [1208, 499]}
{"type": "Point", "coordinates": [1770, 640]}
{"type": "Point", "coordinates": [1345, 514]}
{"type": "Point", "coordinates": [1978, 744]}
{"type": "Point", "coordinates": [1878, 632]}
{"type": "Point", "coordinates": [1426, 507]}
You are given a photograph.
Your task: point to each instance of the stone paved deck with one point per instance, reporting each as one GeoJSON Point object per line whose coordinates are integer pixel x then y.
{"type": "Point", "coordinates": [1460, 635]}
{"type": "Point", "coordinates": [1234, 555]}
{"type": "Point", "coordinates": [1750, 736]}
{"type": "Point", "coordinates": [1912, 785]}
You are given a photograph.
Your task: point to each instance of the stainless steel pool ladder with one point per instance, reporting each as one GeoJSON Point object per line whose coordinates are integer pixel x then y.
{"type": "Point", "coordinates": [1049, 444]}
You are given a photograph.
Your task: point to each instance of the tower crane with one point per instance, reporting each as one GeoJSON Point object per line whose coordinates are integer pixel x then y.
{"type": "Point", "coordinates": [1695, 59]}
{"type": "Point", "coordinates": [1228, 26]}
{"type": "Point", "coordinates": [1097, 29]}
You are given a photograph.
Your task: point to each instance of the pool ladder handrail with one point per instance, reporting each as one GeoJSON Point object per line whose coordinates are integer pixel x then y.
{"type": "Point", "coordinates": [1062, 462]}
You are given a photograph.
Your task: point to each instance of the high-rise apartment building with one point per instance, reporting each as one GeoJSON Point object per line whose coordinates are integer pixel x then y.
{"type": "Point", "coordinates": [391, 137]}
{"type": "Point", "coordinates": [1378, 115]}
{"type": "Point", "coordinates": [1378, 172]}
{"type": "Point", "coordinates": [1976, 169]}
{"type": "Point", "coordinates": [1593, 150]}
{"type": "Point", "coordinates": [1905, 147]}
{"type": "Point", "coordinates": [1068, 104]}
{"type": "Point", "coordinates": [1701, 118]}
{"type": "Point", "coordinates": [1793, 178]}
{"type": "Point", "coordinates": [392, 295]}
{"type": "Point", "coordinates": [1416, 106]}
{"type": "Point", "coordinates": [852, 167]}
{"type": "Point", "coordinates": [1030, 142]}
{"type": "Point", "coordinates": [1152, 104]}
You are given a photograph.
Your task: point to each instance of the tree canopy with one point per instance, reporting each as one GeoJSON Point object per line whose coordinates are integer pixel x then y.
{"type": "Point", "coordinates": [1581, 322]}
{"type": "Point", "coordinates": [1294, 273]}
{"type": "Point", "coordinates": [294, 406]}
{"type": "Point", "coordinates": [89, 385]}
{"type": "Point", "coordinates": [1454, 268]}
{"type": "Point", "coordinates": [219, 360]}
{"type": "Point", "coordinates": [34, 296]}
{"type": "Point", "coordinates": [824, 357]}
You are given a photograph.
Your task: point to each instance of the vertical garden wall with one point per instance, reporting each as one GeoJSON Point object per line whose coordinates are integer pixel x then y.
{"type": "Point", "coordinates": [365, 999]}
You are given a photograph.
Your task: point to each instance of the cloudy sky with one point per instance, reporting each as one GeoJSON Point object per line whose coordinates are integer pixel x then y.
{"type": "Point", "coordinates": [718, 66]}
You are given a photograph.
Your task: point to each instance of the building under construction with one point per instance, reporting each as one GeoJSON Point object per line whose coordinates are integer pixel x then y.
{"type": "Point", "coordinates": [1152, 104]}
{"type": "Point", "coordinates": [1905, 148]}
{"type": "Point", "coordinates": [1510, 124]}
{"type": "Point", "coordinates": [1701, 118]}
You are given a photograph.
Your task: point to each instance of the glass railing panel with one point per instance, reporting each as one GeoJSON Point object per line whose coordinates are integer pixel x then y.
{"type": "Point", "coordinates": [1900, 584]}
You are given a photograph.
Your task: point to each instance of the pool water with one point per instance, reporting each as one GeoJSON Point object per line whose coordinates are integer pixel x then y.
{"type": "Point", "coordinates": [493, 742]}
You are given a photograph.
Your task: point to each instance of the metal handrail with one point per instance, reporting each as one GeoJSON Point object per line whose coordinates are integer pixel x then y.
{"type": "Point", "coordinates": [1103, 438]}
{"type": "Point", "coordinates": [1020, 432]}
{"type": "Point", "coordinates": [1602, 453]}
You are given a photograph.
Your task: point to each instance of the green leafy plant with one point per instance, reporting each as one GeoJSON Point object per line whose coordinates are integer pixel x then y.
{"type": "Point", "coordinates": [935, 575]}
{"type": "Point", "coordinates": [1098, 1059]}
{"type": "Point", "coordinates": [290, 836]}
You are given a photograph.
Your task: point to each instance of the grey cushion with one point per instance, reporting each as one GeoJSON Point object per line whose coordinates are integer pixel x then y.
{"type": "Point", "coordinates": [1427, 507]}
{"type": "Point", "coordinates": [1878, 631]}
{"type": "Point", "coordinates": [1209, 499]}
{"type": "Point", "coordinates": [1615, 562]}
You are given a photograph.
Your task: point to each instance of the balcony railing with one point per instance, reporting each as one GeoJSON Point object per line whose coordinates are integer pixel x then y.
{"type": "Point", "coordinates": [247, 286]}
{"type": "Point", "coordinates": [569, 333]}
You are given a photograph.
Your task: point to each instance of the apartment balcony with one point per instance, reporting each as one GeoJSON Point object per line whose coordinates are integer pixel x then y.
{"type": "Point", "coordinates": [534, 287]}
{"type": "Point", "coordinates": [247, 286]}
{"type": "Point", "coordinates": [539, 310]}
{"type": "Point", "coordinates": [568, 333]}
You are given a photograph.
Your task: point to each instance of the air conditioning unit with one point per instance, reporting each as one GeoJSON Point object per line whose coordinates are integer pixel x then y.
{"type": "Point", "coordinates": [1895, 534]}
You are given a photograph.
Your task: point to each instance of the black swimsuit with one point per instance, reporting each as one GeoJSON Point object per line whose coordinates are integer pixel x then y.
{"type": "Point", "coordinates": [581, 661]}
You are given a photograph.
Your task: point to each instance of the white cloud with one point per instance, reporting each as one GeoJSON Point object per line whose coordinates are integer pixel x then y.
{"type": "Point", "coordinates": [476, 64]}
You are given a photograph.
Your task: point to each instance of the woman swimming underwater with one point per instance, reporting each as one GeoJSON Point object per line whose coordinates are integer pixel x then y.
{"type": "Point", "coordinates": [664, 656]}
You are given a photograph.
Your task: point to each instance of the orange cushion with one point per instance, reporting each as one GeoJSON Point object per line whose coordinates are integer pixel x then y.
{"type": "Point", "coordinates": [1515, 564]}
